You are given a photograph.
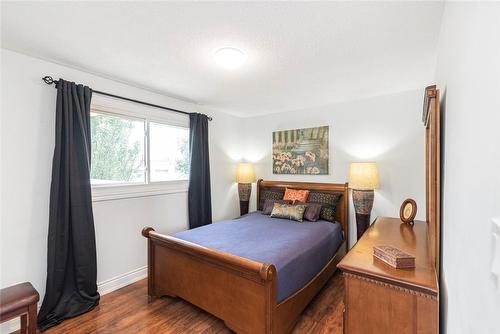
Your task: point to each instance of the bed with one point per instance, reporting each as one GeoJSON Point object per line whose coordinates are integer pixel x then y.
{"type": "Point", "coordinates": [255, 272]}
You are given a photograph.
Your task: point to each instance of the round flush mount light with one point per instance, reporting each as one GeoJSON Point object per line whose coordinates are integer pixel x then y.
{"type": "Point", "coordinates": [229, 58]}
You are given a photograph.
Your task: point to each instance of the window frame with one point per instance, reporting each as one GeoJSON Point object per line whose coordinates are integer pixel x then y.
{"type": "Point", "coordinates": [133, 111]}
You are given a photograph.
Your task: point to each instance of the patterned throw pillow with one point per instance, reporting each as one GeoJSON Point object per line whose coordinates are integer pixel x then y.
{"type": "Point", "coordinates": [269, 204]}
{"type": "Point", "coordinates": [287, 211]}
{"type": "Point", "coordinates": [296, 195]}
{"type": "Point", "coordinates": [327, 213]}
{"type": "Point", "coordinates": [270, 193]}
{"type": "Point", "coordinates": [313, 211]}
{"type": "Point", "coordinates": [328, 203]}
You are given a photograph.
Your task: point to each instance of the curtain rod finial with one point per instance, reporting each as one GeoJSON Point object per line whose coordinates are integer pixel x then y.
{"type": "Point", "coordinates": [48, 80]}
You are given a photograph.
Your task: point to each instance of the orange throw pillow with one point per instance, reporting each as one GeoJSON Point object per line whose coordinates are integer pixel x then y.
{"type": "Point", "coordinates": [296, 195]}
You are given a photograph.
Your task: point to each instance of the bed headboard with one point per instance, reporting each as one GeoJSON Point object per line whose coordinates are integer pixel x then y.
{"type": "Point", "coordinates": [277, 189]}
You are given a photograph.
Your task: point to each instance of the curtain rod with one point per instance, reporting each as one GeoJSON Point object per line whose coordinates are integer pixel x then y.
{"type": "Point", "coordinates": [49, 81]}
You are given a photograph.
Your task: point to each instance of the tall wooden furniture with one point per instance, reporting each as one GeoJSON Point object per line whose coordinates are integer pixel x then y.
{"type": "Point", "coordinates": [382, 299]}
{"type": "Point", "coordinates": [240, 291]}
{"type": "Point", "coordinates": [20, 300]}
{"type": "Point", "coordinates": [432, 122]}
{"type": "Point", "coordinates": [379, 298]}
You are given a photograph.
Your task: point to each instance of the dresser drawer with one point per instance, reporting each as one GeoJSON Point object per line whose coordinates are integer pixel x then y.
{"type": "Point", "coordinates": [373, 306]}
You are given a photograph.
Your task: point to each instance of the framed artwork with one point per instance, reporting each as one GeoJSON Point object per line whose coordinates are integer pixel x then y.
{"type": "Point", "coordinates": [301, 151]}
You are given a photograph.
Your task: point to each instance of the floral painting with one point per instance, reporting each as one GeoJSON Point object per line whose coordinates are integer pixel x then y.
{"type": "Point", "coordinates": [301, 151]}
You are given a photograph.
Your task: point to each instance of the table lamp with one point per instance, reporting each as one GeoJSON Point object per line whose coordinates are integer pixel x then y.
{"type": "Point", "coordinates": [245, 176]}
{"type": "Point", "coordinates": [363, 179]}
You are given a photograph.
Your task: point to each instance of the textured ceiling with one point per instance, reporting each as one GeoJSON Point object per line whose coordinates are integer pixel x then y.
{"type": "Point", "coordinates": [299, 54]}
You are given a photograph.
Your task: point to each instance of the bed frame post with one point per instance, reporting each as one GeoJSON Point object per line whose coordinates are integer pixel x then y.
{"type": "Point", "coordinates": [258, 194]}
{"type": "Point", "coordinates": [145, 233]}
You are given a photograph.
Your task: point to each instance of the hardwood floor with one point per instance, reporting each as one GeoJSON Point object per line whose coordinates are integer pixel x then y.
{"type": "Point", "coordinates": [127, 311]}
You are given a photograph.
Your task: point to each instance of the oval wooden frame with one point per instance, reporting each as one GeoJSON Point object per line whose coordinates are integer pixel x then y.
{"type": "Point", "coordinates": [410, 219]}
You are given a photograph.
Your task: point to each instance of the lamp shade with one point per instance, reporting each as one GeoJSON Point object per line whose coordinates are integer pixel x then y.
{"type": "Point", "coordinates": [363, 176]}
{"type": "Point", "coordinates": [245, 173]}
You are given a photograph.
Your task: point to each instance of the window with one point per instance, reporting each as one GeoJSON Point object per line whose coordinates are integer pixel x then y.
{"type": "Point", "coordinates": [169, 152]}
{"type": "Point", "coordinates": [117, 149]}
{"type": "Point", "coordinates": [136, 151]}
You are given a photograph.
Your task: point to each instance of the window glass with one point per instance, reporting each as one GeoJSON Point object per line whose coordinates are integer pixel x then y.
{"type": "Point", "coordinates": [117, 149]}
{"type": "Point", "coordinates": [168, 152]}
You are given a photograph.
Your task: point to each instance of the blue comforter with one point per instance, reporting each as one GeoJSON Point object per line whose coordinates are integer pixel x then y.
{"type": "Point", "coordinates": [298, 250]}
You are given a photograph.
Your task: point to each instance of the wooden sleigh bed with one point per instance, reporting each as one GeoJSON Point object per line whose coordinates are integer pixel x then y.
{"type": "Point", "coordinates": [241, 292]}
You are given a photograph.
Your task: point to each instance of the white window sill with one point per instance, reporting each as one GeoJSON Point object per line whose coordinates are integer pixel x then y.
{"type": "Point", "coordinates": [115, 192]}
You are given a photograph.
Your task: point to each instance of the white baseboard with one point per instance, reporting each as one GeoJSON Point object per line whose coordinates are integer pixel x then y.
{"type": "Point", "coordinates": [103, 287]}
{"type": "Point", "coordinates": [122, 280]}
{"type": "Point", "coordinates": [10, 326]}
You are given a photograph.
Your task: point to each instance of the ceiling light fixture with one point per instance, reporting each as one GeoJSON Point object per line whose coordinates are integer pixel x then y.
{"type": "Point", "coordinates": [229, 58]}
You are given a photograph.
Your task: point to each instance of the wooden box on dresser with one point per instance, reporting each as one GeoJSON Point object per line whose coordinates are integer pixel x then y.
{"type": "Point", "coordinates": [382, 299]}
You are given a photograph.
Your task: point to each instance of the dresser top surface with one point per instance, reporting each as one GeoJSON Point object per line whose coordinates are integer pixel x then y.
{"type": "Point", "coordinates": [411, 239]}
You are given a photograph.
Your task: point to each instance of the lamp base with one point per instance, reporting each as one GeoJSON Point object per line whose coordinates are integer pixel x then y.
{"type": "Point", "coordinates": [362, 223]}
{"type": "Point", "coordinates": [244, 191]}
{"type": "Point", "coordinates": [244, 207]}
{"type": "Point", "coordinates": [363, 204]}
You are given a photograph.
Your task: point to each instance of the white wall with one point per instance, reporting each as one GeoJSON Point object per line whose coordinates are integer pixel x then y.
{"type": "Point", "coordinates": [27, 139]}
{"type": "Point", "coordinates": [386, 129]}
{"type": "Point", "coordinates": [225, 142]}
{"type": "Point", "coordinates": [468, 73]}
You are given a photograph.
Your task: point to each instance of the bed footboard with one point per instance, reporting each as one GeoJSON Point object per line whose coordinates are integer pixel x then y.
{"type": "Point", "coordinates": [239, 291]}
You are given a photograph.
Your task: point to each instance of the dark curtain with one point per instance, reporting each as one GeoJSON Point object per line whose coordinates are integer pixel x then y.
{"type": "Point", "coordinates": [199, 198]}
{"type": "Point", "coordinates": [71, 287]}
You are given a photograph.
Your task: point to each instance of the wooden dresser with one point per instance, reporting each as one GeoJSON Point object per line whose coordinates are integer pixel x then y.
{"type": "Point", "coordinates": [382, 299]}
